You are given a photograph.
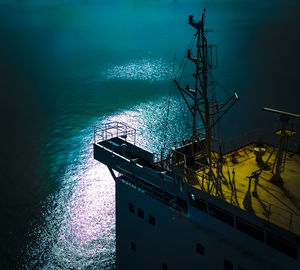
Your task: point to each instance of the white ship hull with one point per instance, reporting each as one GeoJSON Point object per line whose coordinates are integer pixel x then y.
{"type": "Point", "coordinates": [172, 241]}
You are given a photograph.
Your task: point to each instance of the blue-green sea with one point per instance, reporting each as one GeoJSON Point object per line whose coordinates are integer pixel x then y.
{"type": "Point", "coordinates": [66, 66]}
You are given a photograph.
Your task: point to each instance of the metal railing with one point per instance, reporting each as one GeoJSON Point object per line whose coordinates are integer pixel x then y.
{"type": "Point", "coordinates": [284, 217]}
{"type": "Point", "coordinates": [109, 130]}
{"type": "Point", "coordinates": [252, 137]}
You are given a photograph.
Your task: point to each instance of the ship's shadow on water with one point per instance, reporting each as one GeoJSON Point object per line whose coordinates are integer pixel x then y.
{"type": "Point", "coordinates": [65, 67]}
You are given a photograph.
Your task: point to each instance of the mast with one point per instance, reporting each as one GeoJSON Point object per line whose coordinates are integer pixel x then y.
{"type": "Point", "coordinates": [201, 82]}
{"type": "Point", "coordinates": [199, 95]}
{"type": "Point", "coordinates": [197, 99]}
{"type": "Point", "coordinates": [201, 73]}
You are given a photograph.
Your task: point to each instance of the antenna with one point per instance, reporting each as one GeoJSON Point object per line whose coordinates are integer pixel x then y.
{"type": "Point", "coordinates": [197, 100]}
{"type": "Point", "coordinates": [285, 135]}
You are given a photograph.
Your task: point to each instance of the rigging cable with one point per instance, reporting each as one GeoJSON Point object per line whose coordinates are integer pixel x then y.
{"type": "Point", "coordinates": [220, 130]}
{"type": "Point", "coordinates": [184, 60]}
{"type": "Point", "coordinates": [217, 129]}
{"type": "Point", "coordinates": [221, 86]}
{"type": "Point", "coordinates": [181, 110]}
{"type": "Point", "coordinates": [182, 67]}
{"type": "Point", "coordinates": [168, 103]}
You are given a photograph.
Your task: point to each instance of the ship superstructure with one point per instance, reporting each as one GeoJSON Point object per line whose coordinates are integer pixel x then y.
{"type": "Point", "coordinates": [197, 207]}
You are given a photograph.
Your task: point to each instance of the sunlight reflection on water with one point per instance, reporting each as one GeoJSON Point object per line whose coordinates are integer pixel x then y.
{"type": "Point", "coordinates": [140, 69]}
{"type": "Point", "coordinates": [79, 219]}
{"type": "Point", "coordinates": [149, 119]}
{"type": "Point", "coordinates": [78, 230]}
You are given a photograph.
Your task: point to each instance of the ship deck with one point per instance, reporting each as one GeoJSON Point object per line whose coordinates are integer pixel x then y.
{"type": "Point", "coordinates": [278, 204]}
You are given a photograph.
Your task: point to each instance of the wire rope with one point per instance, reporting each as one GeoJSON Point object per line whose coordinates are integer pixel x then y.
{"type": "Point", "coordinates": [168, 102]}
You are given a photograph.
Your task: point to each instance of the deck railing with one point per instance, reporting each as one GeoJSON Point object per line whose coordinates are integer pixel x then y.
{"type": "Point", "coordinates": [114, 129]}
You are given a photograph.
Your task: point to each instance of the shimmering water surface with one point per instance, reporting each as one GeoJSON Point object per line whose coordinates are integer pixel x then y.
{"type": "Point", "coordinates": [66, 67]}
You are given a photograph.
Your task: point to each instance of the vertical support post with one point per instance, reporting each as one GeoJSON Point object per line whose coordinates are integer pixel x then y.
{"type": "Point", "coordinates": [112, 173]}
{"type": "Point", "coordinates": [281, 150]}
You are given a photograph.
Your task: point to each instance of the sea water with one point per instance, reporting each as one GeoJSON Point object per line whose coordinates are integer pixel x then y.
{"type": "Point", "coordinates": [69, 65]}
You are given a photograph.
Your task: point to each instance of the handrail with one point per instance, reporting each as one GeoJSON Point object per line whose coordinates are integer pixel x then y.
{"type": "Point", "coordinates": [282, 217]}
{"type": "Point", "coordinates": [109, 130]}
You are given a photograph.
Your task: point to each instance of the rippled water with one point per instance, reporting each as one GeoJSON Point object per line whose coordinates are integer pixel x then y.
{"type": "Point", "coordinates": [66, 67]}
{"type": "Point", "coordinates": [78, 220]}
{"type": "Point", "coordinates": [140, 69]}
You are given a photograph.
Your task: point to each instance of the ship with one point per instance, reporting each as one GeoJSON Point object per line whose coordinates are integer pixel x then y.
{"type": "Point", "coordinates": [200, 205]}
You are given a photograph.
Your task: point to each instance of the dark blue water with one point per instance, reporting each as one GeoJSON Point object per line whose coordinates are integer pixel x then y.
{"type": "Point", "coordinates": [66, 67]}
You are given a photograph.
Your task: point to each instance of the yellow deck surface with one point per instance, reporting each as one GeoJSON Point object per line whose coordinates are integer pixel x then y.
{"type": "Point", "coordinates": [279, 204]}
